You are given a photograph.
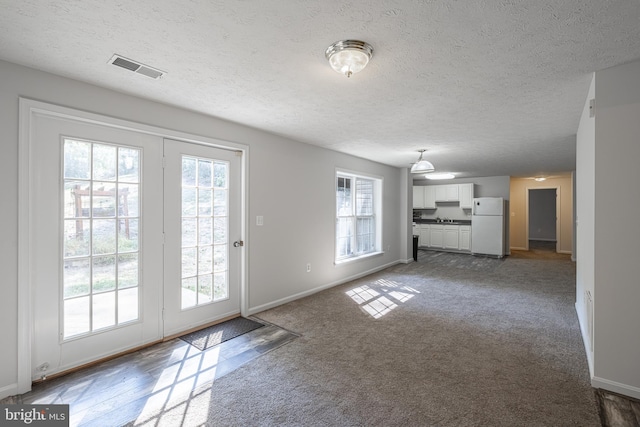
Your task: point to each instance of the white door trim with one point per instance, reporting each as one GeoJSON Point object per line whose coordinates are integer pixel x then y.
{"type": "Point", "coordinates": [28, 109]}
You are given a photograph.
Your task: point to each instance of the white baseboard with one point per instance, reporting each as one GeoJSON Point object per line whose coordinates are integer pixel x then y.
{"type": "Point", "coordinates": [585, 339]}
{"type": "Point", "coordinates": [407, 261]}
{"type": "Point", "coordinates": [616, 387]}
{"type": "Point", "coordinates": [267, 306]}
{"type": "Point", "coordinates": [597, 382]}
{"type": "Point", "coordinates": [9, 390]}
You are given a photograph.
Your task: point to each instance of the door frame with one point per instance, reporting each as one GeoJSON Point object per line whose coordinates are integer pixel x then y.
{"type": "Point", "coordinates": [28, 109]}
{"type": "Point", "coordinates": [558, 211]}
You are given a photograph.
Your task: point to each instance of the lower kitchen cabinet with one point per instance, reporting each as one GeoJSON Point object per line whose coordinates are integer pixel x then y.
{"type": "Point", "coordinates": [447, 237]}
{"type": "Point", "coordinates": [451, 237]}
{"type": "Point", "coordinates": [436, 236]}
{"type": "Point", "coordinates": [424, 232]}
{"type": "Point", "coordinates": [465, 238]}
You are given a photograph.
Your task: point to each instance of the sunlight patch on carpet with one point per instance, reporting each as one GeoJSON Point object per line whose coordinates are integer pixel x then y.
{"type": "Point", "coordinates": [377, 304]}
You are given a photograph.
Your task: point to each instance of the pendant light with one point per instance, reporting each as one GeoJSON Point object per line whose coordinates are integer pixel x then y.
{"type": "Point", "coordinates": [422, 166]}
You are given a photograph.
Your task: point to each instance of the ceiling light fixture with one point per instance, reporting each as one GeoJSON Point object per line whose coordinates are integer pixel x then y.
{"type": "Point", "coordinates": [349, 56]}
{"type": "Point", "coordinates": [540, 179]}
{"type": "Point", "coordinates": [439, 176]}
{"type": "Point", "coordinates": [422, 166]}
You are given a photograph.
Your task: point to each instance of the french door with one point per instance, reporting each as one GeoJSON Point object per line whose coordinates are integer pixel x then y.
{"type": "Point", "coordinates": [124, 251]}
{"type": "Point", "coordinates": [201, 220]}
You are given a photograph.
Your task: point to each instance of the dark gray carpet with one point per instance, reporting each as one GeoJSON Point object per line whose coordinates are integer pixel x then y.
{"type": "Point", "coordinates": [216, 334]}
{"type": "Point", "coordinates": [452, 340]}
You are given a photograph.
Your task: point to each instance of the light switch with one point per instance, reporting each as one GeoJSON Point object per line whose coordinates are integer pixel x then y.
{"type": "Point", "coordinates": [259, 220]}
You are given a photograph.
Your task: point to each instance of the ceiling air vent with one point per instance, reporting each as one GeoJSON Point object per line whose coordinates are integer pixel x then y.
{"type": "Point", "coordinates": [136, 67]}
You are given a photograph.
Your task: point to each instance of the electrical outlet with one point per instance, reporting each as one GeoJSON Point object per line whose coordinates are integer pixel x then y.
{"type": "Point", "coordinates": [309, 267]}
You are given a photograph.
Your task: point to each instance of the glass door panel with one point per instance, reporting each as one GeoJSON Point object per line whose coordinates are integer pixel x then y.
{"type": "Point", "coordinates": [205, 250]}
{"type": "Point", "coordinates": [201, 267]}
{"type": "Point", "coordinates": [100, 220]}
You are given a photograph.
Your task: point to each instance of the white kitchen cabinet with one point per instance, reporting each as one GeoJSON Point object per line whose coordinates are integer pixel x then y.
{"type": "Point", "coordinates": [451, 237]}
{"type": "Point", "coordinates": [466, 195]}
{"type": "Point", "coordinates": [445, 236]}
{"type": "Point", "coordinates": [436, 234]}
{"type": "Point", "coordinates": [452, 193]}
{"type": "Point", "coordinates": [425, 237]}
{"type": "Point", "coordinates": [424, 197]}
{"type": "Point", "coordinates": [447, 193]}
{"type": "Point", "coordinates": [465, 238]}
{"type": "Point", "coordinates": [429, 197]}
{"type": "Point", "coordinates": [418, 197]}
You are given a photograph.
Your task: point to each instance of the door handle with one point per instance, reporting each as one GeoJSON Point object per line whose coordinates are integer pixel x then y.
{"type": "Point", "coordinates": [238, 243]}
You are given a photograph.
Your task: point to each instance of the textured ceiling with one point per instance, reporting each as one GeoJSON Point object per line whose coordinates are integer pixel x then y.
{"type": "Point", "coordinates": [491, 87]}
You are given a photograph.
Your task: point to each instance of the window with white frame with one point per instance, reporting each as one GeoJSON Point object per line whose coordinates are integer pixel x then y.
{"type": "Point", "coordinates": [358, 215]}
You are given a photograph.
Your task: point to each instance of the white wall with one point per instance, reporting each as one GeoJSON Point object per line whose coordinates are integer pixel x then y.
{"type": "Point", "coordinates": [585, 220]}
{"type": "Point", "coordinates": [617, 205]}
{"type": "Point", "coordinates": [291, 184]}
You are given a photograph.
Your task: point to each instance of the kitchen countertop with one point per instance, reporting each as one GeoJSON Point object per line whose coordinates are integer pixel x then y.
{"type": "Point", "coordinates": [443, 222]}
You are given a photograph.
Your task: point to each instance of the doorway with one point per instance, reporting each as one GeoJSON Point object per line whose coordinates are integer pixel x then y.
{"type": "Point", "coordinates": [128, 238]}
{"type": "Point", "coordinates": [542, 219]}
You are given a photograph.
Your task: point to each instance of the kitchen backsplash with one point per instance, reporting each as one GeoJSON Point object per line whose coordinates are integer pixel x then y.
{"type": "Point", "coordinates": [444, 210]}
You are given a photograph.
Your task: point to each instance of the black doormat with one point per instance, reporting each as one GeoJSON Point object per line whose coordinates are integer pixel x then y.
{"type": "Point", "coordinates": [217, 334]}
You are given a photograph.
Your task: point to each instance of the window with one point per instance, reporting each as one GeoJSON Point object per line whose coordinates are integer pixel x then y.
{"type": "Point", "coordinates": [358, 216]}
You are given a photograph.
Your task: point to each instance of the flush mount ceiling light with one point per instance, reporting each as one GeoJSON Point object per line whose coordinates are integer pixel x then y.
{"type": "Point", "coordinates": [439, 176]}
{"type": "Point", "coordinates": [540, 178]}
{"type": "Point", "coordinates": [349, 56]}
{"type": "Point", "coordinates": [422, 166]}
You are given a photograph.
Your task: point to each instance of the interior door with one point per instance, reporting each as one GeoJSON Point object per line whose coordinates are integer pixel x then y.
{"type": "Point", "coordinates": [201, 224]}
{"type": "Point", "coordinates": [96, 227]}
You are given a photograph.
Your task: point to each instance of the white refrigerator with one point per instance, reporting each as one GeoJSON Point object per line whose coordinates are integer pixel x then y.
{"type": "Point", "coordinates": [489, 227]}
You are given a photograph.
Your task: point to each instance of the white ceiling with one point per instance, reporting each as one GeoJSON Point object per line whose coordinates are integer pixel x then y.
{"type": "Point", "coordinates": [493, 87]}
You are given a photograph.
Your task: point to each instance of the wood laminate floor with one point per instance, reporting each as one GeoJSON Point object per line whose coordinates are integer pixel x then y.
{"type": "Point", "coordinates": [118, 391]}
{"type": "Point", "coordinates": [617, 410]}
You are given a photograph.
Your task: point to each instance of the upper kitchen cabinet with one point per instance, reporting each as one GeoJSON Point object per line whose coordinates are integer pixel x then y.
{"type": "Point", "coordinates": [424, 197]}
{"type": "Point", "coordinates": [447, 193]}
{"type": "Point", "coordinates": [429, 197]}
{"type": "Point", "coordinates": [466, 195]}
{"type": "Point", "coordinates": [418, 197]}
